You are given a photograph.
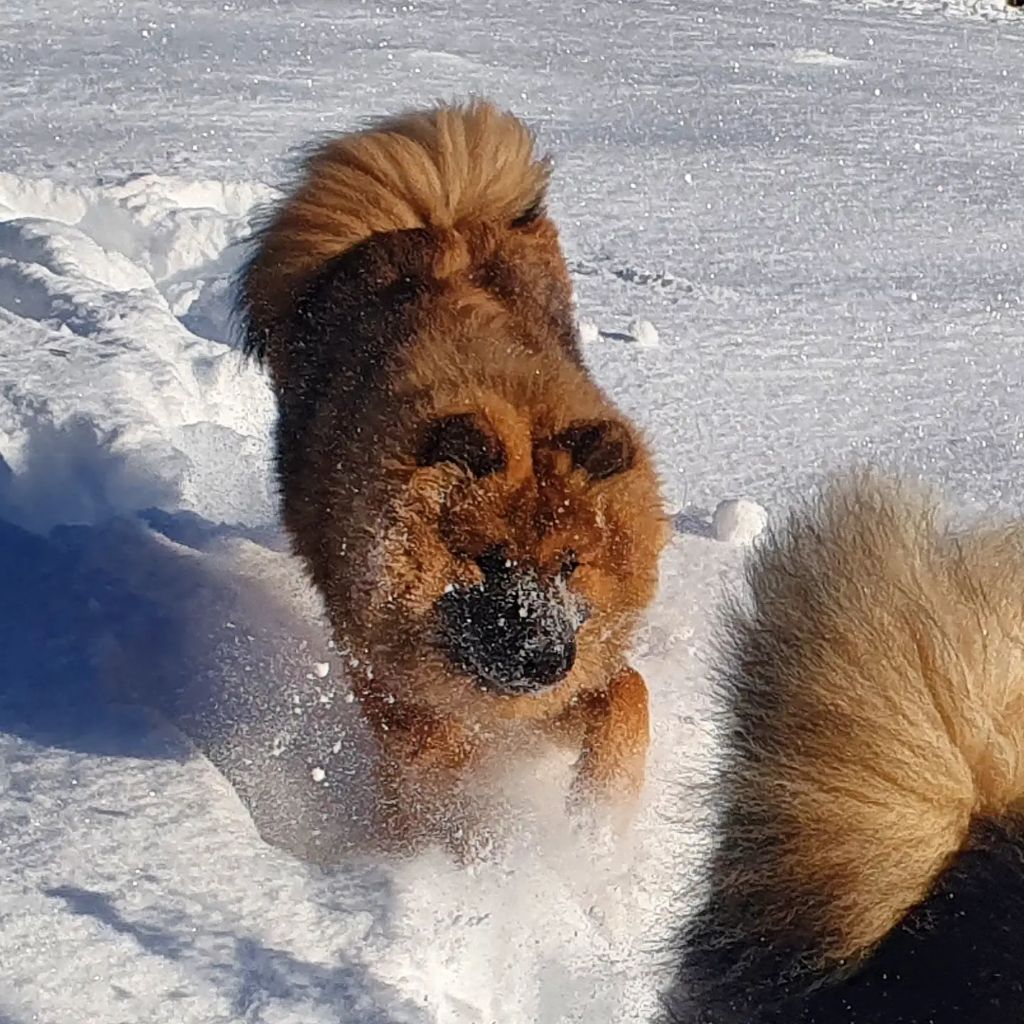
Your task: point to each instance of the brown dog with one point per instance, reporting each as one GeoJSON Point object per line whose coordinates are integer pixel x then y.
{"type": "Point", "coordinates": [482, 522]}
{"type": "Point", "coordinates": [868, 864]}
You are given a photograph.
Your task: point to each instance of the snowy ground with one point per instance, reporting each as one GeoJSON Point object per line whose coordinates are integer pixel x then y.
{"type": "Point", "coordinates": [816, 204]}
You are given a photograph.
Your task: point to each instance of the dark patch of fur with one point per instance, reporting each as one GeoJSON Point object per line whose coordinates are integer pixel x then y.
{"type": "Point", "coordinates": [957, 958]}
{"type": "Point", "coordinates": [539, 298]}
{"type": "Point", "coordinates": [600, 449]}
{"type": "Point", "coordinates": [366, 302]}
{"type": "Point", "coordinates": [465, 441]}
{"type": "Point", "coordinates": [528, 216]}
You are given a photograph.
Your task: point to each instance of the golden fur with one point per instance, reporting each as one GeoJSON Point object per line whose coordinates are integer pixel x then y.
{"type": "Point", "coordinates": [868, 866]}
{"type": "Point", "coordinates": [412, 303]}
{"type": "Point", "coordinates": [438, 168]}
{"type": "Point", "coordinates": [895, 647]}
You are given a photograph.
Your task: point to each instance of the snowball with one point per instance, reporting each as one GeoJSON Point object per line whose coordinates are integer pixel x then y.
{"type": "Point", "coordinates": [645, 334]}
{"type": "Point", "coordinates": [321, 668]}
{"type": "Point", "coordinates": [589, 331]}
{"type": "Point", "coordinates": [738, 520]}
{"type": "Point", "coordinates": [318, 774]}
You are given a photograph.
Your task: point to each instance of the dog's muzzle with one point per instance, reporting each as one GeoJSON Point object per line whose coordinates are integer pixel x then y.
{"type": "Point", "coordinates": [513, 633]}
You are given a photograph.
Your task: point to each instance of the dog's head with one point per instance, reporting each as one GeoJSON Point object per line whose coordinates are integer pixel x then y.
{"type": "Point", "coordinates": [522, 545]}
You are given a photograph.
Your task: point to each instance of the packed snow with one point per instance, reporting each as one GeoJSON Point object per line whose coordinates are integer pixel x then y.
{"type": "Point", "coordinates": [644, 333]}
{"type": "Point", "coordinates": [796, 239]}
{"type": "Point", "coordinates": [738, 520]}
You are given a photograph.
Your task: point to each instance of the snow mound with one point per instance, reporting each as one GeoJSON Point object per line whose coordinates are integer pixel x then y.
{"type": "Point", "coordinates": [589, 332]}
{"type": "Point", "coordinates": [122, 388]}
{"type": "Point", "coordinates": [644, 333]}
{"type": "Point", "coordinates": [738, 521]}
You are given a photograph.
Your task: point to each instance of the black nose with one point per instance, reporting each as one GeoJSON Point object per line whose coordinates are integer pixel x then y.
{"type": "Point", "coordinates": [550, 663]}
{"type": "Point", "coordinates": [494, 561]}
{"type": "Point", "coordinates": [513, 633]}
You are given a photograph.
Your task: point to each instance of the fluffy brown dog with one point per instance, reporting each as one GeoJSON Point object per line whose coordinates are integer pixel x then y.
{"type": "Point", "coordinates": [869, 862]}
{"type": "Point", "coordinates": [483, 524]}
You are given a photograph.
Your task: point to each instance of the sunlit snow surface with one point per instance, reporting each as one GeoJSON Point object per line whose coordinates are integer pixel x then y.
{"type": "Point", "coordinates": [796, 237]}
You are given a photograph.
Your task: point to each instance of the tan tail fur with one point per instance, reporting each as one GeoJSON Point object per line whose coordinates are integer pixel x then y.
{"type": "Point", "coordinates": [450, 168]}
{"type": "Point", "coordinates": [875, 684]}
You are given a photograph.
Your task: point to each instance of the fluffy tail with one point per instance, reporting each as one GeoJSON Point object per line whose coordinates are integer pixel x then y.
{"type": "Point", "coordinates": [447, 168]}
{"type": "Point", "coordinates": [869, 867]}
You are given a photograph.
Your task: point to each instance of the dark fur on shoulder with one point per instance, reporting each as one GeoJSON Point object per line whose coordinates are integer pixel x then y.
{"type": "Point", "coordinates": [869, 864]}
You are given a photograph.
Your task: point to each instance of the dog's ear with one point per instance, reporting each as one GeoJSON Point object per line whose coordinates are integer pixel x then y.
{"type": "Point", "coordinates": [465, 440]}
{"type": "Point", "coordinates": [601, 448]}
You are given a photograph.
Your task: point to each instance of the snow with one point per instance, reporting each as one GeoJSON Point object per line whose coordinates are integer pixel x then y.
{"type": "Point", "coordinates": [815, 203]}
{"type": "Point", "coordinates": [589, 332]}
{"type": "Point", "coordinates": [738, 521]}
{"type": "Point", "coordinates": [644, 333]}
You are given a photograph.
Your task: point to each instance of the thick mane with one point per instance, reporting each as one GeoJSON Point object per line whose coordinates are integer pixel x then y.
{"type": "Point", "coordinates": [450, 167]}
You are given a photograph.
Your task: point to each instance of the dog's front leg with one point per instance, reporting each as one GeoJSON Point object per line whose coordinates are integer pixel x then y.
{"type": "Point", "coordinates": [615, 736]}
{"type": "Point", "coordinates": [423, 773]}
